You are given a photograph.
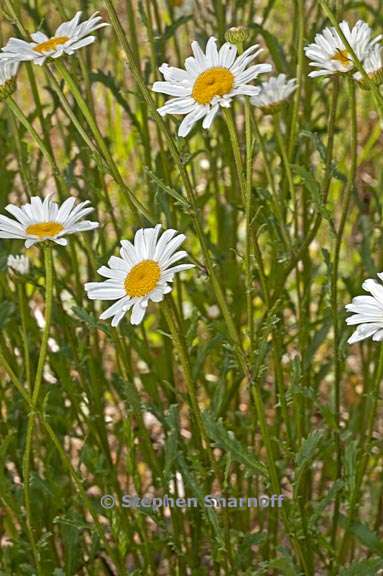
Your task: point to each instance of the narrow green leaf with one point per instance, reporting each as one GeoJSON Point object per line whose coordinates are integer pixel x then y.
{"type": "Point", "coordinates": [227, 441]}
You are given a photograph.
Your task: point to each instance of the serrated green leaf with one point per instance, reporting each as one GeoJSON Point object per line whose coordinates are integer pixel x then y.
{"type": "Point", "coordinates": [306, 454]}
{"type": "Point", "coordinates": [167, 189]}
{"type": "Point", "coordinates": [368, 567]}
{"type": "Point", "coordinates": [227, 441]}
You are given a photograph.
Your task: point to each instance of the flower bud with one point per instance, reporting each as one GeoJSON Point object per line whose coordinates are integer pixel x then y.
{"type": "Point", "coordinates": [8, 70]}
{"type": "Point", "coordinates": [237, 35]}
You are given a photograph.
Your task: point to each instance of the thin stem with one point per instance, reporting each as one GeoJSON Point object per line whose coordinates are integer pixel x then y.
{"type": "Point", "coordinates": [19, 114]}
{"type": "Point", "coordinates": [299, 254]}
{"type": "Point", "coordinates": [35, 396]}
{"type": "Point", "coordinates": [334, 293]}
{"type": "Point", "coordinates": [248, 208]}
{"type": "Point", "coordinates": [16, 382]}
{"type": "Point", "coordinates": [48, 261]}
{"type": "Point", "coordinates": [180, 345]}
{"type": "Point", "coordinates": [364, 454]}
{"type": "Point", "coordinates": [274, 478]}
{"type": "Point", "coordinates": [236, 151]}
{"type": "Point", "coordinates": [245, 178]}
{"type": "Point", "coordinates": [274, 201]}
{"type": "Point", "coordinates": [24, 333]}
{"type": "Point", "coordinates": [299, 76]}
{"type": "Point", "coordinates": [135, 205]}
{"type": "Point", "coordinates": [77, 482]}
{"type": "Point", "coordinates": [286, 165]}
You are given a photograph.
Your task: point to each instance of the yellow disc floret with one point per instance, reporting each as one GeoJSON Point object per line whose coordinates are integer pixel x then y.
{"type": "Point", "coordinates": [45, 229]}
{"type": "Point", "coordinates": [341, 56]}
{"type": "Point", "coordinates": [51, 44]}
{"type": "Point", "coordinates": [216, 81]}
{"type": "Point", "coordinates": [142, 278]}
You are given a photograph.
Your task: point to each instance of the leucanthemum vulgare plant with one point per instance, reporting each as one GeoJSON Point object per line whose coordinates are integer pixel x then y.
{"type": "Point", "coordinates": [204, 332]}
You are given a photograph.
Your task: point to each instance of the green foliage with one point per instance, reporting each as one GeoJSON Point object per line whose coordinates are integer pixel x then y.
{"type": "Point", "coordinates": [240, 383]}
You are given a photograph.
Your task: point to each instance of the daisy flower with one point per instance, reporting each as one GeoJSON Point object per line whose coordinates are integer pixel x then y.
{"type": "Point", "coordinates": [367, 312]}
{"type": "Point", "coordinates": [329, 54]}
{"type": "Point", "coordinates": [19, 264]}
{"type": "Point", "coordinates": [373, 66]}
{"type": "Point", "coordinates": [274, 92]}
{"type": "Point", "coordinates": [45, 220]}
{"type": "Point", "coordinates": [8, 71]}
{"type": "Point", "coordinates": [210, 80]}
{"type": "Point", "coordinates": [143, 273]}
{"type": "Point", "coordinates": [69, 37]}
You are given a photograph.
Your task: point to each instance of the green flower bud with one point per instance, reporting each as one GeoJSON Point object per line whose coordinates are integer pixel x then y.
{"type": "Point", "coordinates": [7, 89]}
{"type": "Point", "coordinates": [8, 71]}
{"type": "Point", "coordinates": [272, 108]}
{"type": "Point", "coordinates": [237, 35]}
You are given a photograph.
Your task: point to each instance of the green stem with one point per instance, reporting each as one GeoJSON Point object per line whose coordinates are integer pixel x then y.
{"type": "Point", "coordinates": [78, 483]}
{"type": "Point", "coordinates": [180, 345]}
{"type": "Point", "coordinates": [286, 165]}
{"type": "Point", "coordinates": [24, 333]}
{"type": "Point", "coordinates": [274, 478]}
{"type": "Point", "coordinates": [16, 382]}
{"type": "Point", "coordinates": [248, 209]}
{"type": "Point", "coordinates": [135, 205]}
{"type": "Point", "coordinates": [334, 295]}
{"type": "Point", "coordinates": [227, 114]}
{"type": "Point", "coordinates": [364, 453]}
{"type": "Point", "coordinates": [274, 200]}
{"type": "Point", "coordinates": [48, 261]}
{"type": "Point", "coordinates": [28, 126]}
{"type": "Point", "coordinates": [299, 254]}
{"type": "Point", "coordinates": [245, 179]}
{"type": "Point", "coordinates": [299, 76]}
{"type": "Point", "coordinates": [35, 398]}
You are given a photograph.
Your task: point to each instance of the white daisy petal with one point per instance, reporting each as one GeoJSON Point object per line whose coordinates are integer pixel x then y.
{"type": "Point", "coordinates": [170, 89]}
{"type": "Point", "coordinates": [118, 317]}
{"type": "Point", "coordinates": [39, 37]}
{"type": "Point", "coordinates": [188, 122]}
{"type": "Point", "coordinates": [121, 304]}
{"type": "Point", "coordinates": [367, 313]}
{"type": "Point", "coordinates": [208, 120]}
{"type": "Point", "coordinates": [138, 313]}
{"type": "Point", "coordinates": [378, 336]}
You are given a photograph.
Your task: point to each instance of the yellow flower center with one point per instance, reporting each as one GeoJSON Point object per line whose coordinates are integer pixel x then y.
{"type": "Point", "coordinates": [215, 81]}
{"type": "Point", "coordinates": [51, 44]}
{"type": "Point", "coordinates": [44, 229]}
{"type": "Point", "coordinates": [341, 56]}
{"type": "Point", "coordinates": [142, 278]}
